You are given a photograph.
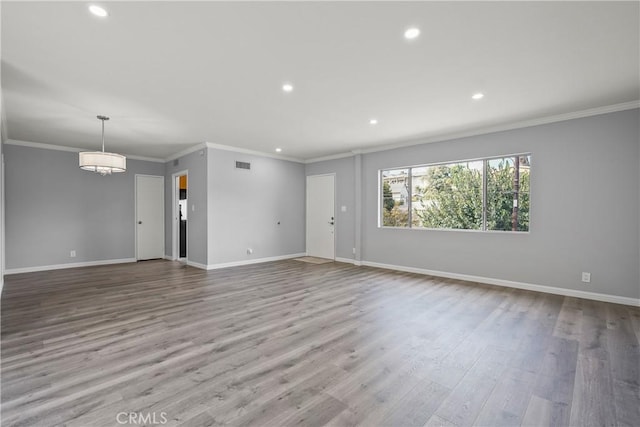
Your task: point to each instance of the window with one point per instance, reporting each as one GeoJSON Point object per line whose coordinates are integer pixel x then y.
{"type": "Point", "coordinates": [395, 198]}
{"type": "Point", "coordinates": [507, 200]}
{"type": "Point", "coordinates": [486, 194]}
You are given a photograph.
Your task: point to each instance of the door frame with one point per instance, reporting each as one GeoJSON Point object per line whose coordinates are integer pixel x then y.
{"type": "Point", "coordinates": [175, 219]}
{"type": "Point", "coordinates": [306, 208]}
{"type": "Point", "coordinates": [135, 210]}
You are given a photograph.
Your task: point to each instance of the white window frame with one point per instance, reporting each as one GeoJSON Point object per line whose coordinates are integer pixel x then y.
{"type": "Point", "coordinates": [483, 229]}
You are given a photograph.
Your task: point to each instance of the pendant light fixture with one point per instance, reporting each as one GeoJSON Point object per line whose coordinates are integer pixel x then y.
{"type": "Point", "coordinates": [103, 162]}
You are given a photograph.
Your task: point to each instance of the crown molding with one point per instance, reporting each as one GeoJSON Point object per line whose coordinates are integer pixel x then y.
{"type": "Point", "coordinates": [40, 145]}
{"type": "Point", "coordinates": [508, 126]}
{"type": "Point", "coordinates": [186, 151]}
{"type": "Point", "coordinates": [252, 152]}
{"type": "Point", "coordinates": [407, 143]}
{"type": "Point", "coordinates": [331, 157]}
{"type": "Point", "coordinates": [72, 149]}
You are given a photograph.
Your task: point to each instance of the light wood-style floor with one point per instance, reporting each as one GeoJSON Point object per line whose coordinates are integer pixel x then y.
{"type": "Point", "coordinates": [292, 343]}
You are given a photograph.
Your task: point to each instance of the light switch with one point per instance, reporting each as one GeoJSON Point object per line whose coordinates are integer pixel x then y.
{"type": "Point", "coordinates": [343, 209]}
{"type": "Point", "coordinates": [193, 208]}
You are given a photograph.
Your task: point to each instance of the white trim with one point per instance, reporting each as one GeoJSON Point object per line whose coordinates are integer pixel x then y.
{"type": "Point", "coordinates": [511, 284]}
{"type": "Point", "coordinates": [168, 258]}
{"type": "Point", "coordinates": [331, 157]}
{"type": "Point", "coordinates": [43, 146]}
{"type": "Point", "coordinates": [252, 152]}
{"type": "Point", "coordinates": [508, 126]}
{"type": "Point", "coordinates": [69, 265]}
{"type": "Point", "coordinates": [175, 225]}
{"type": "Point", "coordinates": [249, 261]}
{"type": "Point", "coordinates": [348, 261]}
{"type": "Point", "coordinates": [145, 158]}
{"type": "Point", "coordinates": [73, 149]}
{"type": "Point", "coordinates": [485, 130]}
{"type": "Point", "coordinates": [197, 265]}
{"type": "Point", "coordinates": [417, 141]}
{"type": "Point", "coordinates": [182, 153]}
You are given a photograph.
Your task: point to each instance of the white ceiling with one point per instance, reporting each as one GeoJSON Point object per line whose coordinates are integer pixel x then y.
{"type": "Point", "coordinates": [175, 74]}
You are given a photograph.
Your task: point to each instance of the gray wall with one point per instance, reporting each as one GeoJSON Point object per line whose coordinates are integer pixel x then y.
{"type": "Point", "coordinates": [2, 182]}
{"type": "Point", "coordinates": [3, 132]}
{"type": "Point", "coordinates": [345, 196]}
{"type": "Point", "coordinates": [2, 228]}
{"type": "Point", "coordinates": [52, 207]}
{"type": "Point", "coordinates": [584, 209]}
{"type": "Point", "coordinates": [245, 207]}
{"type": "Point", "coordinates": [196, 165]}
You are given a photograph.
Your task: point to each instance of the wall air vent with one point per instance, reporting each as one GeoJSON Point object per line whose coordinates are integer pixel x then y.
{"type": "Point", "coordinates": [176, 162]}
{"type": "Point", "coordinates": [243, 165]}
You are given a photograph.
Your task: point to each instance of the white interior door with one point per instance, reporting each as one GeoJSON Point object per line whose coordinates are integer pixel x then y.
{"type": "Point", "coordinates": [321, 216]}
{"type": "Point", "coordinates": [149, 217]}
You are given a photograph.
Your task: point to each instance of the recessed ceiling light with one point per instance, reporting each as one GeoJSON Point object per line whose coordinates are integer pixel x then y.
{"type": "Point", "coordinates": [98, 11]}
{"type": "Point", "coordinates": [373, 121]}
{"type": "Point", "coordinates": [278, 150]}
{"type": "Point", "coordinates": [287, 87]}
{"type": "Point", "coordinates": [477, 96]}
{"type": "Point", "coordinates": [411, 33]}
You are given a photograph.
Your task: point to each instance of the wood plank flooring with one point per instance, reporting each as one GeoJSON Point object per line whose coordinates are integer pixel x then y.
{"type": "Point", "coordinates": [290, 343]}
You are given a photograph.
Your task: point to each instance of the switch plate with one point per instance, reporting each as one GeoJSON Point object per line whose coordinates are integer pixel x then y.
{"type": "Point", "coordinates": [343, 209]}
{"type": "Point", "coordinates": [586, 277]}
{"type": "Point", "coordinates": [72, 254]}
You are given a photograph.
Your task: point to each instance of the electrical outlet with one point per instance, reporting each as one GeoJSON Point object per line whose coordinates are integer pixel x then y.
{"type": "Point", "coordinates": [72, 254]}
{"type": "Point", "coordinates": [249, 251]}
{"type": "Point", "coordinates": [586, 277]}
{"type": "Point", "coordinates": [354, 251]}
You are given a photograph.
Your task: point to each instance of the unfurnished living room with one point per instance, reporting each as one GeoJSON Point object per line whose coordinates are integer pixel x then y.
{"type": "Point", "coordinates": [320, 213]}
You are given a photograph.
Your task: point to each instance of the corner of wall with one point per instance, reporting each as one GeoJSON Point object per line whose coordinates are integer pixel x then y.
{"type": "Point", "coordinates": [238, 232]}
{"type": "Point", "coordinates": [196, 166]}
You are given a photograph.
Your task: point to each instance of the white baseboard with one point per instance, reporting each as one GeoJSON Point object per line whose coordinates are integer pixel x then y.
{"type": "Point", "coordinates": [348, 261]}
{"type": "Point", "coordinates": [253, 261]}
{"type": "Point", "coordinates": [168, 257]}
{"type": "Point", "coordinates": [510, 284]}
{"type": "Point", "coordinates": [69, 265]}
{"type": "Point", "coordinates": [196, 265]}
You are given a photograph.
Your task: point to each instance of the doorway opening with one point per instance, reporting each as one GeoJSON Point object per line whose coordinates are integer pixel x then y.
{"type": "Point", "coordinates": [180, 214]}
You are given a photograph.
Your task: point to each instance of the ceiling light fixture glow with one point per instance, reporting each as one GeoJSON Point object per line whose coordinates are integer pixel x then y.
{"type": "Point", "coordinates": [287, 87]}
{"type": "Point", "coordinates": [411, 33]}
{"type": "Point", "coordinates": [98, 11]}
{"type": "Point", "coordinates": [278, 150]}
{"type": "Point", "coordinates": [373, 121]}
{"type": "Point", "coordinates": [477, 96]}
